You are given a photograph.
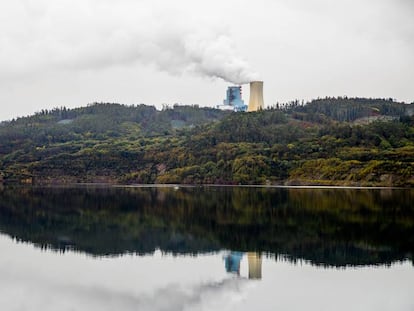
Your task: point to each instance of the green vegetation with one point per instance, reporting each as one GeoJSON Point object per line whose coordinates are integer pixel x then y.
{"type": "Point", "coordinates": [331, 141]}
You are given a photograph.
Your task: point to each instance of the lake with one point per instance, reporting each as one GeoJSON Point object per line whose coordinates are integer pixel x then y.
{"type": "Point", "coordinates": [206, 248]}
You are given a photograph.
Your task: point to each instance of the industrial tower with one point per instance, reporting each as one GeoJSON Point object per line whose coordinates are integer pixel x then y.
{"type": "Point", "coordinates": [256, 96]}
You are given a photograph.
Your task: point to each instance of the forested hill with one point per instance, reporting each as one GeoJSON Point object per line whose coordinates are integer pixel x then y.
{"type": "Point", "coordinates": [331, 141]}
{"type": "Point", "coordinates": [351, 109]}
{"type": "Point", "coordinates": [101, 120]}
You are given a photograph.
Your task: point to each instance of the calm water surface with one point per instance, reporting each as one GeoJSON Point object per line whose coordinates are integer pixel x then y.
{"type": "Point", "coordinates": [211, 248]}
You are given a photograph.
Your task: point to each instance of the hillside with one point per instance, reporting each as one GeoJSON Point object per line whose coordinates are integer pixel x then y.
{"type": "Point", "coordinates": [331, 141]}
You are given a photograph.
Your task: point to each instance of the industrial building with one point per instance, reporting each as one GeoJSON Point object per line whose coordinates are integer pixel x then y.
{"type": "Point", "coordinates": [233, 100]}
{"type": "Point", "coordinates": [255, 265]}
{"type": "Point", "coordinates": [232, 264]}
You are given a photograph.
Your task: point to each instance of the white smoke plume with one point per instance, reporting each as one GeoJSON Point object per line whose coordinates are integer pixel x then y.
{"type": "Point", "coordinates": [47, 36]}
{"type": "Point", "coordinates": [223, 295]}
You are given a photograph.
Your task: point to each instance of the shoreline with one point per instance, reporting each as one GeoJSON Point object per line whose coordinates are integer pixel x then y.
{"type": "Point", "coordinates": [178, 186]}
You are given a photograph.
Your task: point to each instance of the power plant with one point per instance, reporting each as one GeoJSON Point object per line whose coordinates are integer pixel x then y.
{"type": "Point", "coordinates": [235, 102]}
{"type": "Point", "coordinates": [256, 96]}
{"type": "Point", "coordinates": [255, 265]}
{"type": "Point", "coordinates": [232, 264]}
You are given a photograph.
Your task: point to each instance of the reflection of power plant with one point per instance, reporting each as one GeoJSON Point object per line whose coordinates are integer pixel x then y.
{"type": "Point", "coordinates": [233, 259]}
{"type": "Point", "coordinates": [232, 262]}
{"type": "Point", "coordinates": [255, 265]}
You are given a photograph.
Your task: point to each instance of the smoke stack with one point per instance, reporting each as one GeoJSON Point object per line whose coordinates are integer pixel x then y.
{"type": "Point", "coordinates": [256, 96]}
{"type": "Point", "coordinates": [255, 265]}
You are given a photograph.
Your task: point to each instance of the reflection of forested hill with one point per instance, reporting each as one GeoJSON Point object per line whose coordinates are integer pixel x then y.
{"type": "Point", "coordinates": [332, 227]}
{"type": "Point", "coordinates": [331, 141]}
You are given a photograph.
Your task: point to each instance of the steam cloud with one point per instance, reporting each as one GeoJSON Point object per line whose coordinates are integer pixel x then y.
{"type": "Point", "coordinates": [221, 295]}
{"type": "Point", "coordinates": [84, 35]}
{"type": "Point", "coordinates": [212, 56]}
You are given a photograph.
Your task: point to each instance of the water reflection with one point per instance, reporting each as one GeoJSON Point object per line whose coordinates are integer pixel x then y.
{"type": "Point", "coordinates": [45, 280]}
{"type": "Point", "coordinates": [33, 280]}
{"type": "Point", "coordinates": [232, 264]}
{"type": "Point", "coordinates": [335, 227]}
{"type": "Point", "coordinates": [255, 266]}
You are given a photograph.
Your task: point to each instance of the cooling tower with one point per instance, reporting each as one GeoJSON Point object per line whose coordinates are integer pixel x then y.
{"type": "Point", "coordinates": [255, 265]}
{"type": "Point", "coordinates": [256, 96]}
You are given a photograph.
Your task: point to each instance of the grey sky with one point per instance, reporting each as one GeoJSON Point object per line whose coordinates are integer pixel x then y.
{"type": "Point", "coordinates": [73, 52]}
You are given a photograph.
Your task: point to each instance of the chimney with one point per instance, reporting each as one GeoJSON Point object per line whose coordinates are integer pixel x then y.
{"type": "Point", "coordinates": [255, 266]}
{"type": "Point", "coordinates": [256, 96]}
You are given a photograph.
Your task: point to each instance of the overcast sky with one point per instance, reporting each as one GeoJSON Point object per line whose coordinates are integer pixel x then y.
{"type": "Point", "coordinates": [73, 52]}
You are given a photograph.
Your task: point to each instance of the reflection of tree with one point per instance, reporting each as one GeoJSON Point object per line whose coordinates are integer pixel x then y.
{"type": "Point", "coordinates": [326, 226]}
